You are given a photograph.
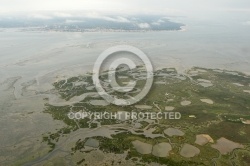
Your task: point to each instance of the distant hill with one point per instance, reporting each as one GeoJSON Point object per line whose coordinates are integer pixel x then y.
{"type": "Point", "coordinates": [91, 22]}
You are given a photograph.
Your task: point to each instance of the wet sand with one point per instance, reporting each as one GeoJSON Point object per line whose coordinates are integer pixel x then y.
{"type": "Point", "coordinates": [208, 101]}
{"type": "Point", "coordinates": [161, 149]}
{"type": "Point", "coordinates": [173, 132]}
{"type": "Point", "coordinates": [185, 103]}
{"type": "Point", "coordinates": [169, 108]}
{"type": "Point", "coordinates": [189, 151]}
{"type": "Point", "coordinates": [142, 147]}
{"type": "Point", "coordinates": [203, 139]}
{"type": "Point", "coordinates": [225, 146]}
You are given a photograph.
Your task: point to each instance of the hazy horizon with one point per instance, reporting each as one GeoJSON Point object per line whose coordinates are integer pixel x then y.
{"type": "Point", "coordinates": [189, 8]}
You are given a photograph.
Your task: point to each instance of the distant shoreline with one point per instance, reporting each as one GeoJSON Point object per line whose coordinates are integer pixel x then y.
{"type": "Point", "coordinates": [40, 29]}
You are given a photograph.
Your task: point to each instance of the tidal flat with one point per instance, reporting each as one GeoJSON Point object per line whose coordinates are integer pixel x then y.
{"type": "Point", "coordinates": [219, 111]}
{"type": "Point", "coordinates": [35, 129]}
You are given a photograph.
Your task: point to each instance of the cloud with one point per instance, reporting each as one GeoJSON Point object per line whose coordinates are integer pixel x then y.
{"type": "Point", "coordinates": [60, 14]}
{"type": "Point", "coordinates": [210, 9]}
{"type": "Point", "coordinates": [107, 18]}
{"type": "Point", "coordinates": [116, 19]}
{"type": "Point", "coordinates": [73, 21]}
{"type": "Point", "coordinates": [246, 23]}
{"type": "Point", "coordinates": [41, 16]}
{"type": "Point", "coordinates": [122, 19]}
{"type": "Point", "coordinates": [236, 9]}
{"type": "Point", "coordinates": [143, 25]}
{"type": "Point", "coordinates": [155, 23]}
{"type": "Point", "coordinates": [158, 22]}
{"type": "Point", "coordinates": [128, 7]}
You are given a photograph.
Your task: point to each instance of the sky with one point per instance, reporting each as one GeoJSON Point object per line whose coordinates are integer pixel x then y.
{"type": "Point", "coordinates": [193, 8]}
